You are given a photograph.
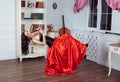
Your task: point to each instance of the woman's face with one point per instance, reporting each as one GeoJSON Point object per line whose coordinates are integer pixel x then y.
{"type": "Point", "coordinates": [39, 27]}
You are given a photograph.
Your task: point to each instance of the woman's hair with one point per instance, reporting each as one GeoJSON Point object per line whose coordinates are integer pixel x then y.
{"type": "Point", "coordinates": [25, 44]}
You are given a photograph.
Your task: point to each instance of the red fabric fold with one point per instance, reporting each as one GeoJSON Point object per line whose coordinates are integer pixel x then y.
{"type": "Point", "coordinates": [64, 56]}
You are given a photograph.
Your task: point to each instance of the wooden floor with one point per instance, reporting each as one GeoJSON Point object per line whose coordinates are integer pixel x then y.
{"type": "Point", "coordinates": [31, 70]}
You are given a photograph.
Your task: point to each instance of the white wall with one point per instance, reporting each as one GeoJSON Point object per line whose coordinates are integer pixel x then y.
{"type": "Point", "coordinates": [7, 29]}
{"type": "Point", "coordinates": [74, 20]}
{"type": "Point", "coordinates": [65, 7]}
{"type": "Point", "coordinates": [55, 16]}
{"type": "Point", "coordinates": [115, 21]}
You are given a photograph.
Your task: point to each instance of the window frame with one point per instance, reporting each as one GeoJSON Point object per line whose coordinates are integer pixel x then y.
{"type": "Point", "coordinates": [99, 17]}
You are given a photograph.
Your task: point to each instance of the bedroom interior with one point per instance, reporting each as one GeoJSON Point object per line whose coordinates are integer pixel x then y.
{"type": "Point", "coordinates": [96, 23]}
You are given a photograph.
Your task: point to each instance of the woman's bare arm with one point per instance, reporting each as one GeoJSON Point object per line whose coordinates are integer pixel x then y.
{"type": "Point", "coordinates": [37, 41]}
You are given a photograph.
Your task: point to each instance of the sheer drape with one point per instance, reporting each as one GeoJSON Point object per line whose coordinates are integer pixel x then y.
{"type": "Point", "coordinates": [114, 4]}
{"type": "Point", "coordinates": [79, 5]}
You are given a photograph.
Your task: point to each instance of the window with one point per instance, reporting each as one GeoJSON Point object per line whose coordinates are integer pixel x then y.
{"type": "Point", "coordinates": [105, 15]}
{"type": "Point", "coordinates": [93, 13]}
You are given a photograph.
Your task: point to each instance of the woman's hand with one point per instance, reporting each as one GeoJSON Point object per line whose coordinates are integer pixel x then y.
{"type": "Point", "coordinates": [41, 32]}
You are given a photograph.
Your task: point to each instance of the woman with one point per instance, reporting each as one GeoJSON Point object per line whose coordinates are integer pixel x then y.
{"type": "Point", "coordinates": [37, 36]}
{"type": "Point", "coordinates": [64, 55]}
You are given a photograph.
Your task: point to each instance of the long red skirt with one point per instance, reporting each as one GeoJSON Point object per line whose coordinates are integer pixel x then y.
{"type": "Point", "coordinates": [64, 56]}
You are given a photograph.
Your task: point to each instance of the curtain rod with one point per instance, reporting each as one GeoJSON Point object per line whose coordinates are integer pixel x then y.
{"type": "Point", "coordinates": [112, 33]}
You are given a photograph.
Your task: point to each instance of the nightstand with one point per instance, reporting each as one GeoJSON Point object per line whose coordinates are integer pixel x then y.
{"type": "Point", "coordinates": [113, 48]}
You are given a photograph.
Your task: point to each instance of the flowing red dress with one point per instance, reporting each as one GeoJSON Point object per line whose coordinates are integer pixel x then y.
{"type": "Point", "coordinates": [64, 56]}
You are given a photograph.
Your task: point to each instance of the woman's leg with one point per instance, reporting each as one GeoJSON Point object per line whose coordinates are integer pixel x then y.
{"type": "Point", "coordinates": [49, 40]}
{"type": "Point", "coordinates": [85, 55]}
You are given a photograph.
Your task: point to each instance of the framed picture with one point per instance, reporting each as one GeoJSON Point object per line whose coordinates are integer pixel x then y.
{"type": "Point", "coordinates": [54, 5]}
